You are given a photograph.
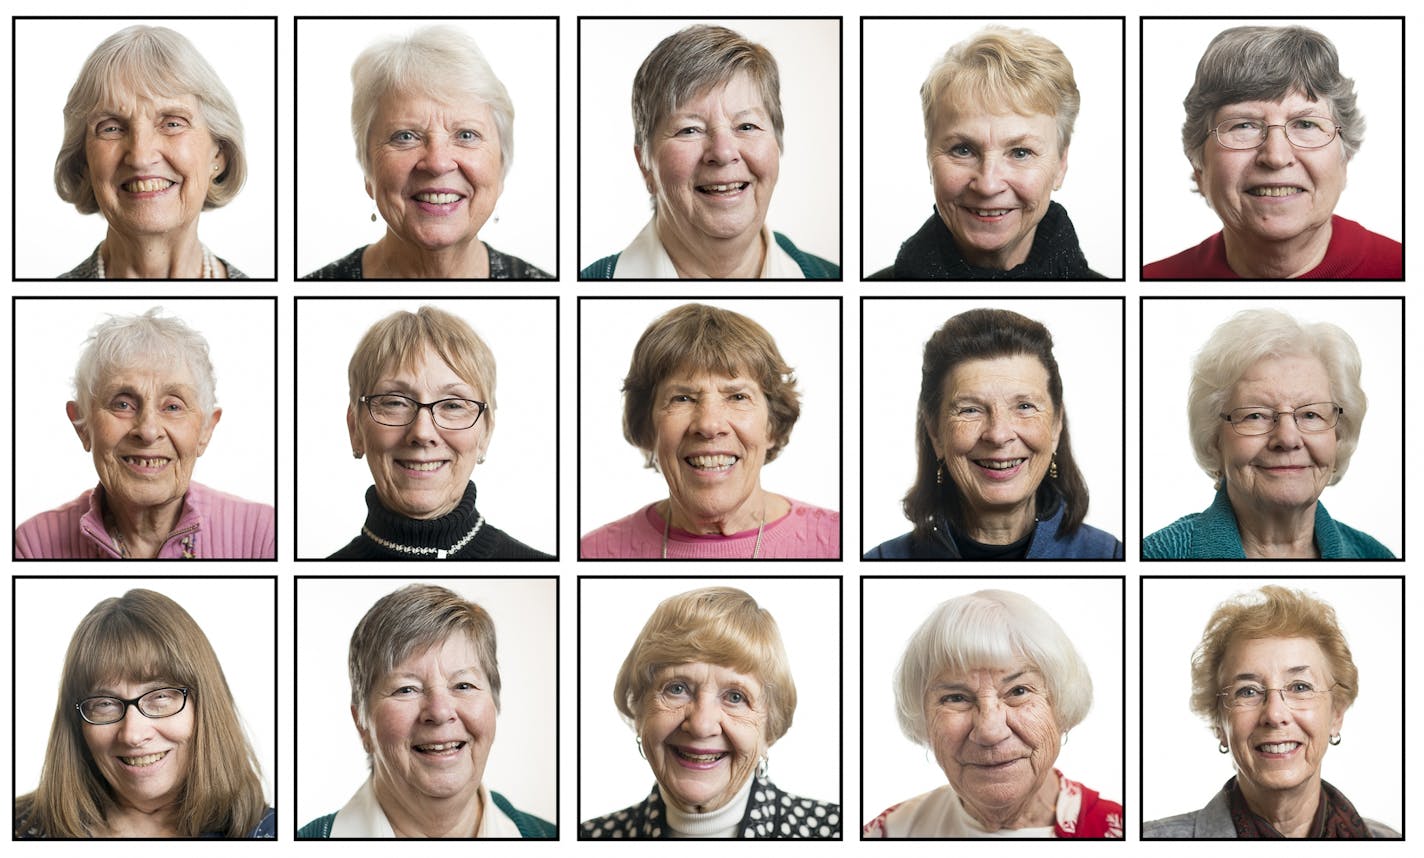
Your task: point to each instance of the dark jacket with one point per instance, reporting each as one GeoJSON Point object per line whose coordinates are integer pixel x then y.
{"type": "Point", "coordinates": [931, 254]}
{"type": "Point", "coordinates": [770, 815]}
{"type": "Point", "coordinates": [1085, 543]}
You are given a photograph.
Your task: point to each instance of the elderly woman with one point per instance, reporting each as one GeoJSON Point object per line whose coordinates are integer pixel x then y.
{"type": "Point", "coordinates": [707, 135]}
{"type": "Point", "coordinates": [434, 133]}
{"type": "Point", "coordinates": [422, 409]}
{"type": "Point", "coordinates": [147, 741]}
{"type": "Point", "coordinates": [996, 476]}
{"type": "Point", "coordinates": [709, 400]}
{"type": "Point", "coordinates": [152, 139]}
{"type": "Point", "coordinates": [1275, 193]}
{"type": "Point", "coordinates": [145, 407]}
{"type": "Point", "coordinates": [1275, 409]}
{"type": "Point", "coordinates": [1273, 677]}
{"type": "Point", "coordinates": [708, 691]}
{"type": "Point", "coordinates": [999, 111]}
{"type": "Point", "coordinates": [992, 685]}
{"type": "Point", "coordinates": [424, 696]}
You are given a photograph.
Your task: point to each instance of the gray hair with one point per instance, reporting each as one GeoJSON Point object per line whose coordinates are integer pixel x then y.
{"type": "Point", "coordinates": [1254, 335]}
{"type": "Point", "coordinates": [411, 620]}
{"type": "Point", "coordinates": [125, 342]}
{"type": "Point", "coordinates": [154, 62]}
{"type": "Point", "coordinates": [691, 61]}
{"type": "Point", "coordinates": [994, 629]}
{"type": "Point", "coordinates": [1267, 64]}
{"type": "Point", "coordinates": [442, 63]}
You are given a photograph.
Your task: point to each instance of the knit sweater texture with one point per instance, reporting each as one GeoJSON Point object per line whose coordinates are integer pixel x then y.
{"type": "Point", "coordinates": [932, 254]}
{"type": "Point", "coordinates": [805, 532]}
{"type": "Point", "coordinates": [1214, 535]}
{"type": "Point", "coordinates": [502, 267]}
{"type": "Point", "coordinates": [1354, 253]}
{"type": "Point", "coordinates": [437, 535]}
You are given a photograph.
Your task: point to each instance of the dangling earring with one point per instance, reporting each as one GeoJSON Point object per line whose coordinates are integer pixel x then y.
{"type": "Point", "coordinates": [762, 767]}
{"type": "Point", "coordinates": [939, 474]}
{"type": "Point", "coordinates": [1335, 739]}
{"type": "Point", "coordinates": [639, 740]}
{"type": "Point", "coordinates": [1053, 467]}
{"type": "Point", "coordinates": [355, 454]}
{"type": "Point", "coordinates": [373, 217]}
{"type": "Point", "coordinates": [1222, 748]}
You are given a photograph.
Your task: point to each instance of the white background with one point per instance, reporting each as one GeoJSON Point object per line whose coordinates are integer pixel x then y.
{"type": "Point", "coordinates": [1088, 343]}
{"type": "Point", "coordinates": [614, 204]}
{"type": "Point", "coordinates": [897, 194]}
{"type": "Point", "coordinates": [522, 762]}
{"type": "Point", "coordinates": [236, 614]}
{"type": "Point", "coordinates": [613, 480]}
{"type": "Point", "coordinates": [516, 482]}
{"type": "Point", "coordinates": [804, 762]}
{"type": "Point", "coordinates": [52, 467]}
{"type": "Point", "coordinates": [51, 235]}
{"type": "Point", "coordinates": [1368, 497]}
{"type": "Point", "coordinates": [1184, 768]}
{"type": "Point", "coordinates": [1175, 218]}
{"type": "Point", "coordinates": [334, 212]}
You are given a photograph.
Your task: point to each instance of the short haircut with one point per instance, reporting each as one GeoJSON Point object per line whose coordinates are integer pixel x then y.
{"type": "Point", "coordinates": [408, 622]}
{"type": "Point", "coordinates": [1255, 335]}
{"type": "Point", "coordinates": [699, 338]}
{"type": "Point", "coordinates": [145, 636]}
{"type": "Point", "coordinates": [442, 63]}
{"type": "Point", "coordinates": [149, 340]}
{"type": "Point", "coordinates": [721, 626]}
{"type": "Point", "coordinates": [1003, 70]}
{"type": "Point", "coordinates": [986, 334]}
{"type": "Point", "coordinates": [152, 62]}
{"type": "Point", "coordinates": [1267, 64]}
{"type": "Point", "coordinates": [1270, 612]}
{"type": "Point", "coordinates": [996, 629]}
{"type": "Point", "coordinates": [692, 61]}
{"type": "Point", "coordinates": [398, 342]}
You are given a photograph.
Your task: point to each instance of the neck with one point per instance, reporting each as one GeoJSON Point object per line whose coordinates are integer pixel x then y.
{"type": "Point", "coordinates": [742, 256]}
{"type": "Point", "coordinates": [1283, 532]}
{"type": "Point", "coordinates": [454, 816]}
{"type": "Point", "coordinates": [997, 527]}
{"type": "Point", "coordinates": [1277, 260]}
{"type": "Point", "coordinates": [759, 509]}
{"type": "Point", "coordinates": [166, 256]}
{"type": "Point", "coordinates": [1038, 809]}
{"type": "Point", "coordinates": [1290, 811]}
{"type": "Point", "coordinates": [395, 258]}
{"type": "Point", "coordinates": [124, 820]}
{"type": "Point", "coordinates": [144, 529]}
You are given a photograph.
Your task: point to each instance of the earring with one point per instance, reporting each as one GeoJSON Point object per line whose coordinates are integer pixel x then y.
{"type": "Point", "coordinates": [1222, 748]}
{"type": "Point", "coordinates": [762, 767]}
{"type": "Point", "coordinates": [939, 474]}
{"type": "Point", "coordinates": [639, 740]}
{"type": "Point", "coordinates": [480, 460]}
{"type": "Point", "coordinates": [1053, 467]}
{"type": "Point", "coordinates": [1335, 739]}
{"type": "Point", "coordinates": [373, 217]}
{"type": "Point", "coordinates": [355, 454]}
{"type": "Point", "coordinates": [1063, 740]}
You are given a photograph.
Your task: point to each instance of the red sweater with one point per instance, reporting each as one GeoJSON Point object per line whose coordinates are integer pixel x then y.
{"type": "Point", "coordinates": [1354, 253]}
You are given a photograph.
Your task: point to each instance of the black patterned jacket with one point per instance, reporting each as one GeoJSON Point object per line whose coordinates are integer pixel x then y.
{"type": "Point", "coordinates": [770, 815]}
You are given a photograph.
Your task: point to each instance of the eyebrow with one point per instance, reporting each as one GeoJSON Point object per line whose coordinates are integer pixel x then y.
{"type": "Point", "coordinates": [1301, 668]}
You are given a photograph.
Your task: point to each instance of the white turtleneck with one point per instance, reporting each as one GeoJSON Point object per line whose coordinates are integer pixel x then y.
{"type": "Point", "coordinates": [721, 822]}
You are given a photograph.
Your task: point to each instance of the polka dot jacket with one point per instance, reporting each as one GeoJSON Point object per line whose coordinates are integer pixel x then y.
{"type": "Point", "coordinates": [770, 815]}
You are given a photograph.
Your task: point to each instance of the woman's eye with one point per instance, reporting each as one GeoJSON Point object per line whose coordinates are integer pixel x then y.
{"type": "Point", "coordinates": [740, 397]}
{"type": "Point", "coordinates": [961, 150]}
{"type": "Point", "coordinates": [1020, 153]}
{"type": "Point", "coordinates": [467, 136]}
{"type": "Point", "coordinates": [404, 137]}
{"type": "Point", "coordinates": [748, 126]}
{"type": "Point", "coordinates": [108, 129]}
{"type": "Point", "coordinates": [1019, 691]}
{"type": "Point", "coordinates": [736, 698]}
{"type": "Point", "coordinates": [1301, 686]}
{"type": "Point", "coordinates": [954, 698]}
{"type": "Point", "coordinates": [464, 686]}
{"type": "Point", "coordinates": [122, 405]}
{"type": "Point", "coordinates": [406, 691]}
{"type": "Point", "coordinates": [681, 397]}
{"type": "Point", "coordinates": [1027, 406]}
{"type": "Point", "coordinates": [688, 131]}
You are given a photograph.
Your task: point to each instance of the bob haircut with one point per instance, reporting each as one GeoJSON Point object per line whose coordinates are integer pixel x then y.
{"type": "Point", "coordinates": [152, 340]}
{"type": "Point", "coordinates": [696, 337]}
{"type": "Point", "coordinates": [409, 621]}
{"type": "Point", "coordinates": [986, 334]}
{"type": "Point", "coordinates": [990, 629]}
{"type": "Point", "coordinates": [150, 62]}
{"type": "Point", "coordinates": [398, 342]}
{"type": "Point", "coordinates": [1000, 69]}
{"type": "Point", "coordinates": [690, 62]}
{"type": "Point", "coordinates": [1267, 64]}
{"type": "Point", "coordinates": [146, 636]}
{"type": "Point", "coordinates": [723, 626]}
{"type": "Point", "coordinates": [1270, 612]}
{"type": "Point", "coordinates": [1255, 335]}
{"type": "Point", "coordinates": [441, 63]}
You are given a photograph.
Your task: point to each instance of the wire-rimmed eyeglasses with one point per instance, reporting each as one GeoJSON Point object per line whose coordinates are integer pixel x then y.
{"type": "Point", "coordinates": [393, 409]}
{"type": "Point", "coordinates": [1303, 132]}
{"type": "Point", "coordinates": [158, 703]}
{"type": "Point", "coordinates": [1251, 695]}
{"type": "Point", "coordinates": [1259, 420]}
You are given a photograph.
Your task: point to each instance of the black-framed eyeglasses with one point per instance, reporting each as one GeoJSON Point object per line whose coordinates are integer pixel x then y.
{"type": "Point", "coordinates": [393, 409]}
{"type": "Point", "coordinates": [1303, 132]}
{"type": "Point", "coordinates": [1251, 695]}
{"type": "Point", "coordinates": [158, 703]}
{"type": "Point", "coordinates": [1258, 420]}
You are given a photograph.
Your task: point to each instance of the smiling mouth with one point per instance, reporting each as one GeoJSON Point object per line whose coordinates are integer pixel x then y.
{"type": "Point", "coordinates": [715, 190]}
{"type": "Point", "coordinates": [144, 761]}
{"type": "Point", "coordinates": [986, 212]}
{"type": "Point", "coordinates": [421, 467]}
{"type": "Point", "coordinates": [1276, 191]}
{"type": "Point", "coordinates": [708, 757]}
{"type": "Point", "coordinates": [439, 749]}
{"type": "Point", "coordinates": [438, 199]}
{"type": "Point", "coordinates": [141, 462]}
{"type": "Point", "coordinates": [1277, 747]}
{"type": "Point", "coordinates": [720, 462]}
{"type": "Point", "coordinates": [999, 464]}
{"type": "Point", "coordinates": [147, 186]}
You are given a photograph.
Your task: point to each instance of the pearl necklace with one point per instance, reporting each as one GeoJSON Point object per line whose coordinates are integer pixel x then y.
{"type": "Point", "coordinates": [440, 553]}
{"type": "Point", "coordinates": [756, 546]}
{"type": "Point", "coordinates": [208, 267]}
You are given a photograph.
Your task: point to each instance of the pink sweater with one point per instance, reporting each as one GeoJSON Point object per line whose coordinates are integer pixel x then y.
{"type": "Point", "coordinates": [806, 532]}
{"type": "Point", "coordinates": [213, 524]}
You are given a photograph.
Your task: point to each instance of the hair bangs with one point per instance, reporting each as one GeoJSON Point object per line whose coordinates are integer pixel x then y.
{"type": "Point", "coordinates": [120, 646]}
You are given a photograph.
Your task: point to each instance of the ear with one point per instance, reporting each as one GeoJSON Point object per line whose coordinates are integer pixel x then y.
{"type": "Point", "coordinates": [207, 433]}
{"type": "Point", "coordinates": [1057, 429]}
{"type": "Point", "coordinates": [934, 439]}
{"type": "Point", "coordinates": [370, 191]}
{"type": "Point", "coordinates": [219, 161]}
{"type": "Point", "coordinates": [365, 734]}
{"type": "Point", "coordinates": [485, 439]}
{"type": "Point", "coordinates": [1062, 170]}
{"type": "Point", "coordinates": [647, 174]}
{"type": "Point", "coordinates": [357, 445]}
{"type": "Point", "coordinates": [1337, 720]}
{"type": "Point", "coordinates": [71, 409]}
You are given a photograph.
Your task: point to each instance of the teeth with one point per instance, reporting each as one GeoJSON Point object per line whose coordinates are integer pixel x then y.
{"type": "Point", "coordinates": [145, 463]}
{"type": "Point", "coordinates": [440, 746]}
{"type": "Point", "coordinates": [722, 189]}
{"type": "Point", "coordinates": [711, 462]}
{"type": "Point", "coordinates": [995, 465]}
{"type": "Point", "coordinates": [422, 466]}
{"type": "Point", "coordinates": [700, 758]}
{"type": "Point", "coordinates": [1274, 192]}
{"type": "Point", "coordinates": [145, 760]}
{"type": "Point", "coordinates": [991, 212]}
{"type": "Point", "coordinates": [146, 186]}
{"type": "Point", "coordinates": [437, 199]}
{"type": "Point", "coordinates": [1282, 748]}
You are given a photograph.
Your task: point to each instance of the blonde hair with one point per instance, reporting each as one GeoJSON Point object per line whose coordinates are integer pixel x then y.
{"type": "Point", "coordinates": [397, 342]}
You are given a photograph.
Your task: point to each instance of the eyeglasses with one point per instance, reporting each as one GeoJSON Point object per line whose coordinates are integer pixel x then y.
{"type": "Point", "coordinates": [158, 703]}
{"type": "Point", "coordinates": [1258, 420]}
{"type": "Point", "coordinates": [392, 409]}
{"type": "Point", "coordinates": [1303, 132]}
{"type": "Point", "coordinates": [1296, 695]}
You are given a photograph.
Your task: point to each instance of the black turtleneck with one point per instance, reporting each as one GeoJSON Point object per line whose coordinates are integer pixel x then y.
{"type": "Point", "coordinates": [489, 543]}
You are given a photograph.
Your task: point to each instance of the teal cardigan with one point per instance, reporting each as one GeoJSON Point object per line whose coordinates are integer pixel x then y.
{"type": "Point", "coordinates": [1213, 534]}
{"type": "Point", "coordinates": [812, 266]}
{"type": "Point", "coordinates": [529, 825]}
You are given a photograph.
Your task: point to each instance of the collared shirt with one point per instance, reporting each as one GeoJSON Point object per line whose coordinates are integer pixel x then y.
{"type": "Point", "coordinates": [647, 259]}
{"type": "Point", "coordinates": [363, 817]}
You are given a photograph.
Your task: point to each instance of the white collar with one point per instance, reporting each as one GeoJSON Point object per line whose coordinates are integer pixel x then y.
{"type": "Point", "coordinates": [647, 259]}
{"type": "Point", "coordinates": [363, 817]}
{"type": "Point", "coordinates": [722, 822]}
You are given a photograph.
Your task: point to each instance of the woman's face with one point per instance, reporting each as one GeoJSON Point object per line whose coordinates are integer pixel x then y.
{"type": "Point", "coordinates": [993, 175]}
{"type": "Point", "coordinates": [151, 161]}
{"type": "Point", "coordinates": [420, 469]}
{"type": "Point", "coordinates": [995, 734]}
{"type": "Point", "coordinates": [1277, 748]}
{"type": "Point", "coordinates": [146, 429]}
{"type": "Point", "coordinates": [431, 724]}
{"type": "Point", "coordinates": [997, 431]}
{"type": "Point", "coordinates": [144, 760]}
{"type": "Point", "coordinates": [713, 165]}
{"type": "Point", "coordinates": [1285, 469]}
{"type": "Point", "coordinates": [435, 168]}
{"type": "Point", "coordinates": [1276, 192]}
{"type": "Point", "coordinates": [703, 728]}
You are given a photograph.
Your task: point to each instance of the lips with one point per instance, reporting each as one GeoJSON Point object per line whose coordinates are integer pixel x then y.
{"type": "Point", "coordinates": [143, 761]}
{"type": "Point", "coordinates": [1275, 191]}
{"type": "Point", "coordinates": [420, 466]}
{"type": "Point", "coordinates": [712, 461]}
{"type": "Point", "coordinates": [721, 189]}
{"type": "Point", "coordinates": [986, 213]}
{"type": "Point", "coordinates": [146, 463]}
{"type": "Point", "coordinates": [438, 198]}
{"type": "Point", "coordinates": [439, 749]}
{"type": "Point", "coordinates": [999, 464]}
{"type": "Point", "coordinates": [147, 185]}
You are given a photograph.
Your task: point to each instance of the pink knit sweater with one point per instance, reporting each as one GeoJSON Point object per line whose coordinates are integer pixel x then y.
{"type": "Point", "coordinates": [213, 524]}
{"type": "Point", "coordinates": [806, 532]}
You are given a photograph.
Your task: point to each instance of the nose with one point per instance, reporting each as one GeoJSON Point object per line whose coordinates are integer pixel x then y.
{"type": "Point", "coordinates": [721, 146]}
{"type": "Point", "coordinates": [422, 430]}
{"type": "Point", "coordinates": [989, 179]}
{"type": "Point", "coordinates": [146, 426]}
{"type": "Point", "coordinates": [142, 148]}
{"type": "Point", "coordinates": [709, 418]}
{"type": "Point", "coordinates": [701, 717]}
{"type": "Point", "coordinates": [438, 708]}
{"type": "Point", "coordinates": [991, 723]}
{"type": "Point", "coordinates": [1274, 709]}
{"type": "Point", "coordinates": [998, 428]}
{"type": "Point", "coordinates": [1285, 435]}
{"type": "Point", "coordinates": [1276, 152]}
{"type": "Point", "coordinates": [135, 729]}
{"type": "Point", "coordinates": [439, 157]}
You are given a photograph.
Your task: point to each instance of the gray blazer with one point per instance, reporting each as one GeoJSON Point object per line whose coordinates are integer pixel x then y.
{"type": "Point", "coordinates": [1214, 822]}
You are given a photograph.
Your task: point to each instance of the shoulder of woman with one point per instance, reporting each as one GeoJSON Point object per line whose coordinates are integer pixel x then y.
{"type": "Point", "coordinates": [529, 825]}
{"type": "Point", "coordinates": [1343, 541]}
{"type": "Point", "coordinates": [504, 266]}
{"type": "Point", "coordinates": [319, 828]}
{"type": "Point", "coordinates": [267, 827]}
{"type": "Point", "coordinates": [347, 267]}
{"type": "Point", "coordinates": [812, 266]}
{"type": "Point", "coordinates": [600, 270]}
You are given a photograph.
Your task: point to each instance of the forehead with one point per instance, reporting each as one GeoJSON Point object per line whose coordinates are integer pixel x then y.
{"type": "Point", "coordinates": [1004, 376]}
{"type": "Point", "coordinates": [456, 652]}
{"type": "Point", "coordinates": [424, 367]}
{"type": "Point", "coordinates": [701, 671]}
{"type": "Point", "coordinates": [1291, 380]}
{"type": "Point", "coordinates": [158, 373]}
{"type": "Point", "coordinates": [1269, 657]}
{"type": "Point", "coordinates": [1295, 103]}
{"type": "Point", "coordinates": [739, 94]}
{"type": "Point", "coordinates": [406, 106]}
{"type": "Point", "coordinates": [123, 99]}
{"type": "Point", "coordinates": [984, 674]}
{"type": "Point", "coordinates": [975, 122]}
{"type": "Point", "coordinates": [705, 380]}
